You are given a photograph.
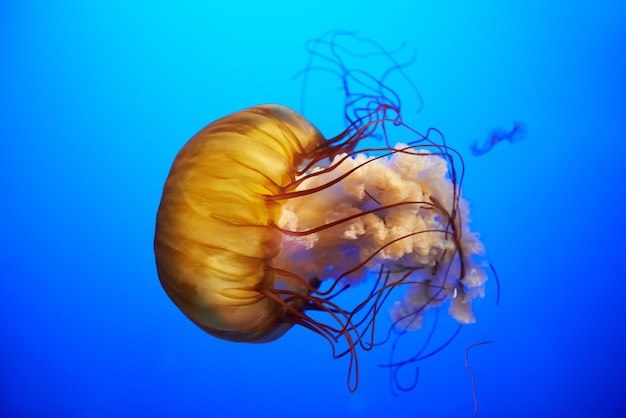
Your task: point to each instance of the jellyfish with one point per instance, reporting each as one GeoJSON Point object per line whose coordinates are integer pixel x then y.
{"type": "Point", "coordinates": [264, 221]}
{"type": "Point", "coordinates": [498, 135]}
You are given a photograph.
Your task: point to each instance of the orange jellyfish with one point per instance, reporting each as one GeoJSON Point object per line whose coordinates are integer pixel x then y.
{"type": "Point", "coordinates": [263, 221]}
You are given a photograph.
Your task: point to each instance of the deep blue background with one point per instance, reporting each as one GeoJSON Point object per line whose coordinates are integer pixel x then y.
{"type": "Point", "coordinates": [96, 99]}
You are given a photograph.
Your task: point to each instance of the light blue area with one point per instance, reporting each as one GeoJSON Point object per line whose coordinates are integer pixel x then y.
{"type": "Point", "coordinates": [96, 99]}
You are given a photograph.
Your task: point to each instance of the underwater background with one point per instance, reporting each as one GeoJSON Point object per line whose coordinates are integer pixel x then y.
{"type": "Point", "coordinates": [98, 97]}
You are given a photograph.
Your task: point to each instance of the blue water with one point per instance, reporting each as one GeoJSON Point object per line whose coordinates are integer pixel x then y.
{"type": "Point", "coordinates": [97, 98]}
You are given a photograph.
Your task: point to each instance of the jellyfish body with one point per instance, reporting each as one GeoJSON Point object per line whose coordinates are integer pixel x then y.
{"type": "Point", "coordinates": [213, 242]}
{"type": "Point", "coordinates": [259, 209]}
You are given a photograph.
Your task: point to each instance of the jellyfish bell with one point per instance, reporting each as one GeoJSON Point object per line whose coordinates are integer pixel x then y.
{"type": "Point", "coordinates": [213, 242]}
{"type": "Point", "coordinates": [259, 210]}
